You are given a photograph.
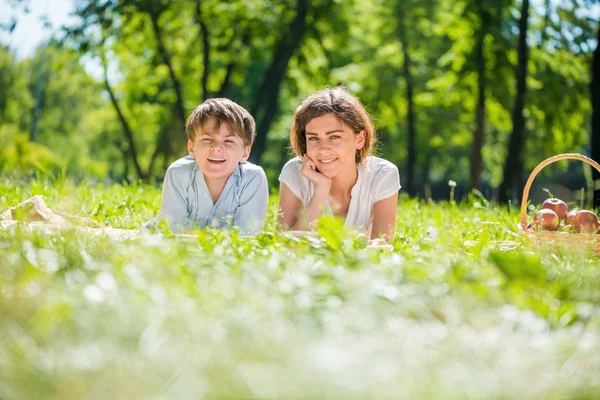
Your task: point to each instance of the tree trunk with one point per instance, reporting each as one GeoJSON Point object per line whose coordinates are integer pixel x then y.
{"type": "Point", "coordinates": [266, 103]}
{"type": "Point", "coordinates": [511, 184]}
{"type": "Point", "coordinates": [179, 103]}
{"type": "Point", "coordinates": [595, 139]}
{"type": "Point", "coordinates": [412, 134]}
{"type": "Point", "coordinates": [478, 139]}
{"type": "Point", "coordinates": [205, 49]}
{"type": "Point", "coordinates": [124, 124]}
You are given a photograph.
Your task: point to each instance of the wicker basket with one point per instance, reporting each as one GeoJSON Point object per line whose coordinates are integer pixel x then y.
{"type": "Point", "coordinates": [557, 238]}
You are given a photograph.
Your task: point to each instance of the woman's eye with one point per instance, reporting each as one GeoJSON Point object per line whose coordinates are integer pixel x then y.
{"type": "Point", "coordinates": [335, 136]}
{"type": "Point", "coordinates": [313, 138]}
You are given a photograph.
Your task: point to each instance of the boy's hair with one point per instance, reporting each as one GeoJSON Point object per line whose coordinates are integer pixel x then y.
{"type": "Point", "coordinates": [237, 118]}
{"type": "Point", "coordinates": [347, 108]}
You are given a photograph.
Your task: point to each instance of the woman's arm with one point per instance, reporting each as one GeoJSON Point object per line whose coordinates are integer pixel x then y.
{"type": "Point", "coordinates": [384, 218]}
{"type": "Point", "coordinates": [291, 216]}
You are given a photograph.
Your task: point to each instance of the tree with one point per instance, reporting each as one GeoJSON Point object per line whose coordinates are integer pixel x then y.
{"type": "Point", "coordinates": [476, 158]}
{"type": "Point", "coordinates": [513, 166]}
{"type": "Point", "coordinates": [402, 21]}
{"type": "Point", "coordinates": [265, 105]}
{"type": "Point", "coordinates": [595, 132]}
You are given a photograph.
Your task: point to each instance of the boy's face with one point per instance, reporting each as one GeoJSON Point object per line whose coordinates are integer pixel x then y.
{"type": "Point", "coordinates": [217, 150]}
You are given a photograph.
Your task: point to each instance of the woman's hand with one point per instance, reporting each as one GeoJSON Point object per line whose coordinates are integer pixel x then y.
{"type": "Point", "coordinates": [309, 171]}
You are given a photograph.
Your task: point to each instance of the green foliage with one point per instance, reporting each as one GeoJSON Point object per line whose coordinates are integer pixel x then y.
{"type": "Point", "coordinates": [152, 56]}
{"type": "Point", "coordinates": [460, 297]}
{"type": "Point", "coordinates": [19, 155]}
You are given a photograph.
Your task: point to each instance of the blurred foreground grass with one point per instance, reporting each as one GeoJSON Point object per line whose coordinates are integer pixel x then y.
{"type": "Point", "coordinates": [462, 308]}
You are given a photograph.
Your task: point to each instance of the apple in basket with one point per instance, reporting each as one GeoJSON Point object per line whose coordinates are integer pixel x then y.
{"type": "Point", "coordinates": [558, 206]}
{"type": "Point", "coordinates": [586, 221]}
{"type": "Point", "coordinates": [546, 219]}
{"type": "Point", "coordinates": [571, 216]}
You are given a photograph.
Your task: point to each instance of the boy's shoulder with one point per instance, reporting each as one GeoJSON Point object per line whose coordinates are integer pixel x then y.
{"type": "Point", "coordinates": [248, 167]}
{"type": "Point", "coordinates": [184, 164]}
{"type": "Point", "coordinates": [251, 174]}
{"type": "Point", "coordinates": [181, 172]}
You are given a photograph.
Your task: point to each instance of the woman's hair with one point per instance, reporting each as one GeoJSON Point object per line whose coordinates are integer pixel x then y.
{"type": "Point", "coordinates": [347, 108]}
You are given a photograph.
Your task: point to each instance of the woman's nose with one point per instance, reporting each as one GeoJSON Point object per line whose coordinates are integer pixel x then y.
{"type": "Point", "coordinates": [322, 144]}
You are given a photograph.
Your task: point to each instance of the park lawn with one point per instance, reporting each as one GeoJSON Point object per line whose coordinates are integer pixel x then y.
{"type": "Point", "coordinates": [463, 307]}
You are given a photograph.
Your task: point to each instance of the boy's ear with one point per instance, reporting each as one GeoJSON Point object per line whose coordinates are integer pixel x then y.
{"type": "Point", "coordinates": [245, 154]}
{"type": "Point", "coordinates": [360, 140]}
{"type": "Point", "coordinates": [191, 148]}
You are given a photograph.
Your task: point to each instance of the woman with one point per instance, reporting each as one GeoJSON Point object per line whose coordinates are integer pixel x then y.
{"type": "Point", "coordinates": [335, 173]}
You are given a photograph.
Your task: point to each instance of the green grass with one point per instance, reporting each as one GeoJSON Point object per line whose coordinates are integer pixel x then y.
{"type": "Point", "coordinates": [463, 307]}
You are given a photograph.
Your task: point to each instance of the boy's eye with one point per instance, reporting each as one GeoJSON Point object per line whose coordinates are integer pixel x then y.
{"type": "Point", "coordinates": [229, 141]}
{"type": "Point", "coordinates": [206, 140]}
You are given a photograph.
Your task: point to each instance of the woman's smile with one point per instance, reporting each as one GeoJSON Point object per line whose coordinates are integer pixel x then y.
{"type": "Point", "coordinates": [328, 160]}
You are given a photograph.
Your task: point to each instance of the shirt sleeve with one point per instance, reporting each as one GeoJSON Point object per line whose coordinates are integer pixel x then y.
{"type": "Point", "coordinates": [387, 182]}
{"type": "Point", "coordinates": [290, 175]}
{"type": "Point", "coordinates": [174, 204]}
{"type": "Point", "coordinates": [251, 213]}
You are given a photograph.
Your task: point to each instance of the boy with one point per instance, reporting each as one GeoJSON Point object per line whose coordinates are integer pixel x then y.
{"type": "Point", "coordinates": [215, 186]}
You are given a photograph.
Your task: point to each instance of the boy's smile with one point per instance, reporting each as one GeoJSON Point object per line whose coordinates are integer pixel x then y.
{"type": "Point", "coordinates": [217, 150]}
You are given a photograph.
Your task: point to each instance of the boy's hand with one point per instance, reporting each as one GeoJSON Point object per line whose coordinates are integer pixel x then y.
{"type": "Point", "coordinates": [309, 171]}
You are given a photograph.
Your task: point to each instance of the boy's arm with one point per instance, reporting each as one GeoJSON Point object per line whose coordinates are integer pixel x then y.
{"type": "Point", "coordinates": [174, 203]}
{"type": "Point", "coordinates": [250, 215]}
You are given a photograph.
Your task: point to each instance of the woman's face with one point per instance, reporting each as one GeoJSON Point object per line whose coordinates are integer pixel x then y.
{"type": "Point", "coordinates": [332, 145]}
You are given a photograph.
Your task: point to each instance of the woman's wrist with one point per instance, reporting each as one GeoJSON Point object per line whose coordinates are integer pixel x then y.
{"type": "Point", "coordinates": [321, 192]}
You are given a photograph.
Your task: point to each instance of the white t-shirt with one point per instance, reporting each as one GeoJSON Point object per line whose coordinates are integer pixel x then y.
{"type": "Point", "coordinates": [378, 179]}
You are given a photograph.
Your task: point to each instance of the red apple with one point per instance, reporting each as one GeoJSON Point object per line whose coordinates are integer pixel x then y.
{"type": "Point", "coordinates": [586, 221]}
{"type": "Point", "coordinates": [571, 216]}
{"type": "Point", "coordinates": [558, 206]}
{"type": "Point", "coordinates": [546, 219]}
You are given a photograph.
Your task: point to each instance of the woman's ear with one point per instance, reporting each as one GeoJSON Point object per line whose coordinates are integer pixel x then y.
{"type": "Point", "coordinates": [360, 140]}
{"type": "Point", "coordinates": [191, 148]}
{"type": "Point", "coordinates": [245, 154]}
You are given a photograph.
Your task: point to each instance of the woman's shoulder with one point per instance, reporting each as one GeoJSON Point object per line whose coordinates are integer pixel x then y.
{"type": "Point", "coordinates": [292, 177]}
{"type": "Point", "coordinates": [291, 170]}
{"type": "Point", "coordinates": [384, 178]}
{"type": "Point", "coordinates": [295, 164]}
{"type": "Point", "coordinates": [376, 166]}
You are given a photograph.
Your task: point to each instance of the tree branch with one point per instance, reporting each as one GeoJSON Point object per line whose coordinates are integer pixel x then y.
{"type": "Point", "coordinates": [180, 108]}
{"type": "Point", "coordinates": [226, 84]}
{"type": "Point", "coordinates": [205, 48]}
{"type": "Point", "coordinates": [125, 125]}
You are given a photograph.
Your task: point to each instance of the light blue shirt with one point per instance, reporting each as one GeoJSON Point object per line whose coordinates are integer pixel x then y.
{"type": "Point", "coordinates": [186, 201]}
